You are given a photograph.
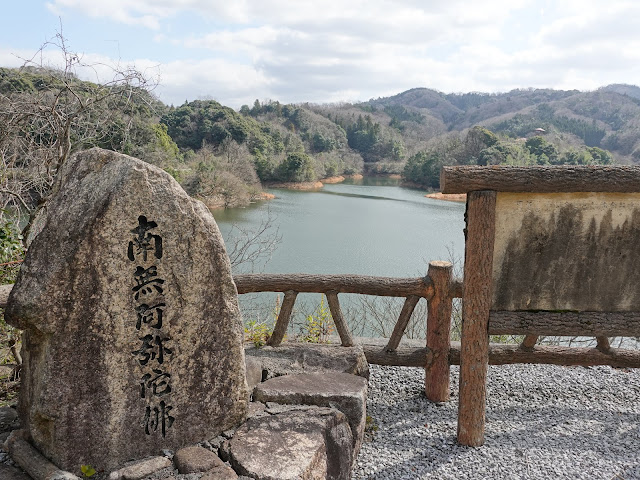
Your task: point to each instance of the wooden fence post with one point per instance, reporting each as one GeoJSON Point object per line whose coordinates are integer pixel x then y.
{"type": "Point", "coordinates": [338, 319]}
{"type": "Point", "coordinates": [476, 302]}
{"type": "Point", "coordinates": [436, 385]}
{"type": "Point", "coordinates": [282, 323]}
{"type": "Point", "coordinates": [403, 321]}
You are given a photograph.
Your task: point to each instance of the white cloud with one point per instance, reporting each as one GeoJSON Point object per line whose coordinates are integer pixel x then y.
{"type": "Point", "coordinates": [230, 83]}
{"type": "Point", "coordinates": [320, 50]}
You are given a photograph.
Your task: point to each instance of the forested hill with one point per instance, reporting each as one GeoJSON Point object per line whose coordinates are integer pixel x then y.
{"type": "Point", "coordinates": [224, 156]}
{"type": "Point", "coordinates": [608, 118]}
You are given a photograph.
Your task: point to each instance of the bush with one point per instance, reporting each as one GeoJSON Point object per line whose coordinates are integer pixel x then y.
{"type": "Point", "coordinates": [297, 167]}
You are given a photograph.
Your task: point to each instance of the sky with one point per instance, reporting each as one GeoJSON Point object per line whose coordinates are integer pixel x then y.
{"type": "Point", "coordinates": [325, 51]}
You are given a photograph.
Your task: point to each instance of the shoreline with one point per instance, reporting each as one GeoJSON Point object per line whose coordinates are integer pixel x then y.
{"type": "Point", "coordinates": [448, 197]}
{"type": "Point", "coordinates": [217, 203]}
{"type": "Point", "coordinates": [305, 186]}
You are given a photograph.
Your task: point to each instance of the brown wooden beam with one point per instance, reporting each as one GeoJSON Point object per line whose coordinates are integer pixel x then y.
{"type": "Point", "coordinates": [365, 285]}
{"type": "Point", "coordinates": [529, 341]}
{"type": "Point", "coordinates": [402, 357]}
{"type": "Point", "coordinates": [338, 319]}
{"type": "Point", "coordinates": [411, 356]}
{"type": "Point", "coordinates": [587, 324]}
{"type": "Point", "coordinates": [456, 287]}
{"type": "Point", "coordinates": [403, 320]}
{"type": "Point", "coordinates": [436, 380]}
{"type": "Point", "coordinates": [542, 179]}
{"type": "Point", "coordinates": [282, 324]}
{"type": "Point", "coordinates": [476, 302]}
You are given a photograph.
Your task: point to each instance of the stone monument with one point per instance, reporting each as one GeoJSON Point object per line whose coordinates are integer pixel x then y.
{"type": "Point", "coordinates": [132, 333]}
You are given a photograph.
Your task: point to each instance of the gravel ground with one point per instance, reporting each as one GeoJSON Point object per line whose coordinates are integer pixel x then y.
{"type": "Point", "coordinates": [543, 422]}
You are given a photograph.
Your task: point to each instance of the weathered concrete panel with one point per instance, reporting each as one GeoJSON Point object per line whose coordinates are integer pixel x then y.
{"type": "Point", "coordinates": [567, 251]}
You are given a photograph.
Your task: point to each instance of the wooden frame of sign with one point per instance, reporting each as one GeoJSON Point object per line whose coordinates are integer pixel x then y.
{"type": "Point", "coordinates": [548, 251]}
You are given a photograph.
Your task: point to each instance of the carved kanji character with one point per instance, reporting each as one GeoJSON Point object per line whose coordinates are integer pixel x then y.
{"type": "Point", "coordinates": [158, 417]}
{"type": "Point", "coordinates": [144, 241]}
{"type": "Point", "coordinates": [158, 383]}
{"type": "Point", "coordinates": [147, 281]}
{"type": "Point", "coordinates": [153, 348]}
{"type": "Point", "coordinates": [148, 314]}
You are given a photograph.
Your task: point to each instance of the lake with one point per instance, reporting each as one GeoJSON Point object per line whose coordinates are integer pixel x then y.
{"type": "Point", "coordinates": [368, 227]}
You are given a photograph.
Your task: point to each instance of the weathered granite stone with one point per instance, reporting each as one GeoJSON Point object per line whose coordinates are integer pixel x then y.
{"type": "Point", "coordinates": [133, 337]}
{"type": "Point", "coordinates": [32, 462]}
{"type": "Point", "coordinates": [195, 460]}
{"type": "Point", "coordinates": [223, 472]}
{"type": "Point", "coordinates": [217, 441]}
{"type": "Point", "coordinates": [224, 450]}
{"type": "Point", "coordinates": [347, 393]}
{"type": "Point", "coordinates": [3, 438]}
{"type": "Point", "coordinates": [256, 409]}
{"type": "Point", "coordinates": [314, 443]}
{"type": "Point", "coordinates": [254, 371]}
{"type": "Point", "coordinates": [8, 419]}
{"type": "Point", "coordinates": [141, 469]}
{"type": "Point", "coordinates": [12, 473]}
{"type": "Point", "coordinates": [291, 357]}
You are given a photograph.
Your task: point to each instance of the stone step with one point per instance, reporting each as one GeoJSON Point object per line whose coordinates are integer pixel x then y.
{"type": "Point", "coordinates": [314, 442]}
{"type": "Point", "coordinates": [347, 393]}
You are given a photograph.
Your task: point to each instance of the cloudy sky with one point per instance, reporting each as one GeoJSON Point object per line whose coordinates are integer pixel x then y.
{"type": "Point", "coordinates": [321, 51]}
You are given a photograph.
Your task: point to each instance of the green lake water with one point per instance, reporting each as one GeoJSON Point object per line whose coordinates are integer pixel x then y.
{"type": "Point", "coordinates": [367, 227]}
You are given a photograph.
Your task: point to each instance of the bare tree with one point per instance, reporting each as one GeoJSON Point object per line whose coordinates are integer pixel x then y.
{"type": "Point", "coordinates": [46, 113]}
{"type": "Point", "coordinates": [250, 249]}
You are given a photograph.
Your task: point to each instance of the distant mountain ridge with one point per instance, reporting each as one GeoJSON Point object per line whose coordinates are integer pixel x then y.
{"type": "Point", "coordinates": [608, 117]}
{"type": "Point", "coordinates": [225, 155]}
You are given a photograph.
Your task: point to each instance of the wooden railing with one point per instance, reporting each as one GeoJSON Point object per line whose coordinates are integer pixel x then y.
{"type": "Point", "coordinates": [439, 288]}
{"type": "Point", "coordinates": [331, 285]}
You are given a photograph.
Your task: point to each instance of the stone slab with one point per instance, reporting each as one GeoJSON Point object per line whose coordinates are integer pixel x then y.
{"type": "Point", "coordinates": [133, 336]}
{"type": "Point", "coordinates": [314, 443]}
{"type": "Point", "coordinates": [11, 473]}
{"type": "Point", "coordinates": [195, 460]}
{"type": "Point", "coordinates": [291, 357]}
{"type": "Point", "coordinates": [347, 393]}
{"type": "Point", "coordinates": [141, 469]}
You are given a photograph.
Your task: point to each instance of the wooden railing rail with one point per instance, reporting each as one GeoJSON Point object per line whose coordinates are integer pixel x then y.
{"type": "Point", "coordinates": [438, 288]}
{"type": "Point", "coordinates": [311, 283]}
{"type": "Point", "coordinates": [507, 354]}
{"type": "Point", "coordinates": [331, 285]}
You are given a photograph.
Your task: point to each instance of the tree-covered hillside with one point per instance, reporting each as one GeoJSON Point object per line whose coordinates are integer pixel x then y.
{"type": "Point", "coordinates": [225, 156]}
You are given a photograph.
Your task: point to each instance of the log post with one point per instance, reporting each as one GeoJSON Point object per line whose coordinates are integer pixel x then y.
{"type": "Point", "coordinates": [436, 384]}
{"type": "Point", "coordinates": [603, 344]}
{"type": "Point", "coordinates": [338, 319]}
{"type": "Point", "coordinates": [529, 341]}
{"type": "Point", "coordinates": [401, 325]}
{"type": "Point", "coordinates": [282, 323]}
{"type": "Point", "coordinates": [476, 302]}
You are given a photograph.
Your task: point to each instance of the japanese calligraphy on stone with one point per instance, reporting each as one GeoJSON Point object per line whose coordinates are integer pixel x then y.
{"type": "Point", "coordinates": [154, 351]}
